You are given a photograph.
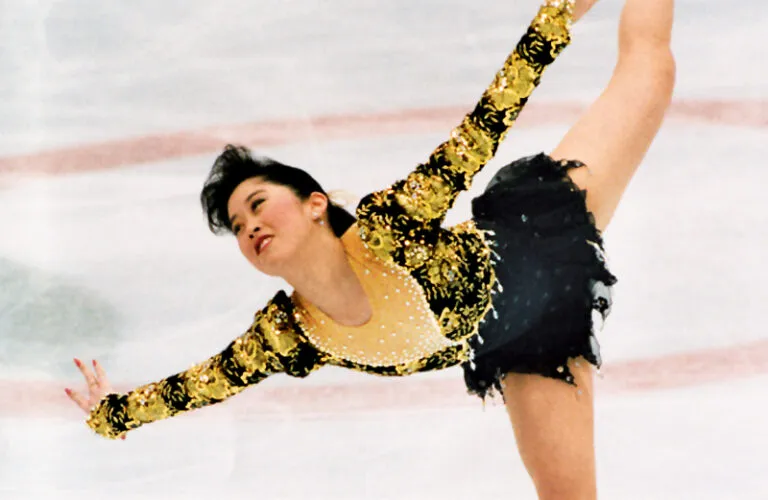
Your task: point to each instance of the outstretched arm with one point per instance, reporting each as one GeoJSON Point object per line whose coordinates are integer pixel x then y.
{"type": "Point", "coordinates": [431, 189]}
{"type": "Point", "coordinates": [246, 361]}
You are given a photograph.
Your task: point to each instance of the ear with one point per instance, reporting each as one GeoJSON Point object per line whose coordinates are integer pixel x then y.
{"type": "Point", "coordinates": [317, 203]}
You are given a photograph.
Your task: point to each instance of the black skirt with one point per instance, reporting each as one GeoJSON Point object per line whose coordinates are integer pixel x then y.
{"type": "Point", "coordinates": [551, 270]}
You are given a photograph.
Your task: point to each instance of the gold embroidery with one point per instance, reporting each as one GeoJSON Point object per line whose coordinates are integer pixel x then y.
{"type": "Point", "coordinates": [424, 194]}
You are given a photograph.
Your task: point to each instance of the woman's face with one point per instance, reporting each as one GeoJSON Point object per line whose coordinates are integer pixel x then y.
{"type": "Point", "coordinates": [272, 224]}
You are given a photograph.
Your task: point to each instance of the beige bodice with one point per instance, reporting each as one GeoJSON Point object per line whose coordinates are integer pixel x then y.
{"type": "Point", "coordinates": [401, 329]}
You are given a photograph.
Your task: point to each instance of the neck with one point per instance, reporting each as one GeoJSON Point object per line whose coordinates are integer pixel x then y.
{"type": "Point", "coordinates": [326, 280]}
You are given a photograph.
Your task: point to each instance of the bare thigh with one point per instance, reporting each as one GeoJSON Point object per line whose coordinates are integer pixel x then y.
{"type": "Point", "coordinates": [554, 429]}
{"type": "Point", "coordinates": [614, 134]}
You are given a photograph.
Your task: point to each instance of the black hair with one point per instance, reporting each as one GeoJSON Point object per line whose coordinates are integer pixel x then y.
{"type": "Point", "coordinates": [236, 164]}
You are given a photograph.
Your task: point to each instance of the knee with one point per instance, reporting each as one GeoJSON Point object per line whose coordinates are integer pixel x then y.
{"type": "Point", "coordinates": [646, 24]}
{"type": "Point", "coordinates": [645, 46]}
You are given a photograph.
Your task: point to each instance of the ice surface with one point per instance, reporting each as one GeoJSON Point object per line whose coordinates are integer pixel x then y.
{"type": "Point", "coordinates": [113, 259]}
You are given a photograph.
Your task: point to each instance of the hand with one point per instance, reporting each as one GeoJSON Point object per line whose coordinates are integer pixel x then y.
{"type": "Point", "coordinates": [98, 386]}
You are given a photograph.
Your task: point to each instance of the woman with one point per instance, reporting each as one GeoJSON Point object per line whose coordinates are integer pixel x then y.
{"type": "Point", "coordinates": [391, 292]}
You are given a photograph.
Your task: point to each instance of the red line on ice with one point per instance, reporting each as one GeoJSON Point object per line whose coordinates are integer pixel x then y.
{"type": "Point", "coordinates": [168, 146]}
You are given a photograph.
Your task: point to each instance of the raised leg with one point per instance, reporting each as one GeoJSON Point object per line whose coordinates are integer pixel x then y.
{"type": "Point", "coordinates": [614, 134]}
{"type": "Point", "coordinates": [554, 421]}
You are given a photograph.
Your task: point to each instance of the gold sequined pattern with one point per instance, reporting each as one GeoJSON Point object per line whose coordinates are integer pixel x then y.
{"type": "Point", "coordinates": [271, 345]}
{"type": "Point", "coordinates": [401, 227]}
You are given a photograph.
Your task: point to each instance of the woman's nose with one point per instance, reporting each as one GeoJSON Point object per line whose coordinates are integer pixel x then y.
{"type": "Point", "coordinates": [254, 231]}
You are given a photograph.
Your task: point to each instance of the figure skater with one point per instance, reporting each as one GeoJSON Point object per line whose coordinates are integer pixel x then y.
{"type": "Point", "coordinates": [508, 295]}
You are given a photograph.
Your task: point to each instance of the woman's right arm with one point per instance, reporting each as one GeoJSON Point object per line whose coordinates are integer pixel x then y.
{"type": "Point", "coordinates": [244, 362]}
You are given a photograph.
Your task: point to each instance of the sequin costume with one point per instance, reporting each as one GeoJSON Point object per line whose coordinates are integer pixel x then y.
{"type": "Point", "coordinates": [429, 287]}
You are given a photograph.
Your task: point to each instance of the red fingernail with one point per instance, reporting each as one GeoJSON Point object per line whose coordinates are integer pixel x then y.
{"type": "Point", "coordinates": [123, 438]}
{"type": "Point", "coordinates": [69, 393]}
{"type": "Point", "coordinates": [94, 363]}
{"type": "Point", "coordinates": [78, 363]}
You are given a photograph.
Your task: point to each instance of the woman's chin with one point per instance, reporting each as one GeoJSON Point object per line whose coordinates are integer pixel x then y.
{"type": "Point", "coordinates": [269, 266]}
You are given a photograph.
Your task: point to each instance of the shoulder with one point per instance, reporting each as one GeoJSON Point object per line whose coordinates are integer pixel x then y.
{"type": "Point", "coordinates": [275, 322]}
{"type": "Point", "coordinates": [282, 337]}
